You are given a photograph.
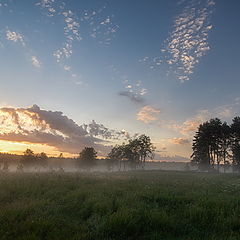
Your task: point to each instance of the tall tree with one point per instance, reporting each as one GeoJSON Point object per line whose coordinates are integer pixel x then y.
{"type": "Point", "coordinates": [235, 142]}
{"type": "Point", "coordinates": [206, 144]}
{"type": "Point", "coordinates": [201, 151]}
{"type": "Point", "coordinates": [225, 144]}
{"type": "Point", "coordinates": [211, 144]}
{"type": "Point", "coordinates": [146, 148]}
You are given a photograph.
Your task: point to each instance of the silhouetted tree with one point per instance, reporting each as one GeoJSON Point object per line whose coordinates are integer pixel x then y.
{"type": "Point", "coordinates": [211, 144]}
{"type": "Point", "coordinates": [87, 157]}
{"type": "Point", "coordinates": [145, 148]}
{"type": "Point", "coordinates": [225, 144]}
{"type": "Point", "coordinates": [28, 158]}
{"type": "Point", "coordinates": [135, 152]}
{"type": "Point", "coordinates": [235, 142]}
{"type": "Point", "coordinates": [117, 154]}
{"type": "Point", "coordinates": [206, 144]}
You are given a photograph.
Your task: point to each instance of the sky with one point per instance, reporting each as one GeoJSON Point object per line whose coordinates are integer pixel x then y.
{"type": "Point", "coordinates": [99, 72]}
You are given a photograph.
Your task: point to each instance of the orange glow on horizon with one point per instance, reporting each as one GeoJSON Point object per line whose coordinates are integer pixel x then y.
{"type": "Point", "coordinates": [20, 147]}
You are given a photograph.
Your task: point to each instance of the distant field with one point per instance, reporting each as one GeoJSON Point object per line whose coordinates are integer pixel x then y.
{"type": "Point", "coordinates": [128, 205]}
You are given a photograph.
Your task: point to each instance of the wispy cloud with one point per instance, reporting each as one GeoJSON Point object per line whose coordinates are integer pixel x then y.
{"type": "Point", "coordinates": [67, 68]}
{"type": "Point", "coordinates": [134, 97]}
{"type": "Point", "coordinates": [225, 112]}
{"type": "Point", "coordinates": [3, 4]}
{"type": "Point", "coordinates": [48, 5]}
{"type": "Point", "coordinates": [133, 90]}
{"type": "Point", "coordinates": [179, 141]}
{"type": "Point", "coordinates": [188, 41]}
{"type": "Point", "coordinates": [190, 125]}
{"type": "Point", "coordinates": [148, 114]}
{"type": "Point", "coordinates": [35, 62]}
{"type": "Point", "coordinates": [15, 37]}
{"type": "Point", "coordinates": [171, 158]}
{"type": "Point", "coordinates": [71, 32]}
{"type": "Point", "coordinates": [99, 130]}
{"type": "Point", "coordinates": [102, 28]}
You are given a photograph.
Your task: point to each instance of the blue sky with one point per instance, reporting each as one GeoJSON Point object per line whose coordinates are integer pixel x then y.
{"type": "Point", "coordinates": [153, 67]}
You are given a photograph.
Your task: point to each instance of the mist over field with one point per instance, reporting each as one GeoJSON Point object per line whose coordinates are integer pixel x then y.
{"type": "Point", "coordinates": [119, 120]}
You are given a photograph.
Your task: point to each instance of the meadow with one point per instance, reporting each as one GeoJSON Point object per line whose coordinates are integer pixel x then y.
{"type": "Point", "coordinates": [162, 205]}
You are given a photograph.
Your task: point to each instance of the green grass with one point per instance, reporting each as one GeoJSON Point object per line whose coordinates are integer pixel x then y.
{"type": "Point", "coordinates": [128, 205]}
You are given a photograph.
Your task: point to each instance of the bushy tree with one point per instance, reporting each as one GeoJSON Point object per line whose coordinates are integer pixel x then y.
{"type": "Point", "coordinates": [28, 158]}
{"type": "Point", "coordinates": [116, 155]}
{"type": "Point", "coordinates": [145, 148]}
{"type": "Point", "coordinates": [87, 157]}
{"type": "Point", "coordinates": [135, 151]}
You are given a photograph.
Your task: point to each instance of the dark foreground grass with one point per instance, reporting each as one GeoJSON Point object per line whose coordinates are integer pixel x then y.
{"type": "Point", "coordinates": [130, 205]}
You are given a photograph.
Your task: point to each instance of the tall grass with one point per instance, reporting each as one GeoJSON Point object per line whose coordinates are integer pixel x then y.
{"type": "Point", "coordinates": [127, 205]}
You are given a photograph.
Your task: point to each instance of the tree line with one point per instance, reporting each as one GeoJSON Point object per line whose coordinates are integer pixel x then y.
{"type": "Point", "coordinates": [217, 143]}
{"type": "Point", "coordinates": [131, 154]}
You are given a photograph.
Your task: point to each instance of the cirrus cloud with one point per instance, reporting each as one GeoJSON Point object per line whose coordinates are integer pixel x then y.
{"type": "Point", "coordinates": [187, 42]}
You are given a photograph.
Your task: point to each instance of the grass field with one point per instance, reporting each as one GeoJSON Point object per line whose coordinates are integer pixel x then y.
{"type": "Point", "coordinates": [126, 205]}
